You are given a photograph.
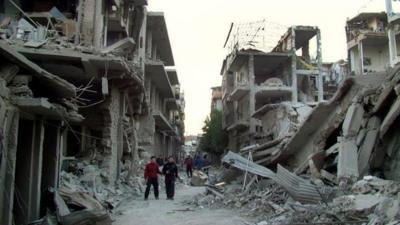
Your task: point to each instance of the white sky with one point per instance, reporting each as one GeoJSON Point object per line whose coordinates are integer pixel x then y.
{"type": "Point", "coordinates": [198, 29]}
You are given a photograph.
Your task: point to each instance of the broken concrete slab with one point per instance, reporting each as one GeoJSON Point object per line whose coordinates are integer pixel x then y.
{"type": "Point", "coordinates": [347, 161]}
{"type": "Point", "coordinates": [80, 199]}
{"type": "Point", "coordinates": [353, 120]}
{"type": "Point", "coordinates": [393, 113]}
{"type": "Point", "coordinates": [361, 136]}
{"type": "Point", "coordinates": [368, 145]}
{"type": "Point", "coordinates": [359, 203]}
{"type": "Point", "coordinates": [199, 178]}
{"type": "Point", "coordinates": [55, 84]}
{"type": "Point", "coordinates": [121, 47]}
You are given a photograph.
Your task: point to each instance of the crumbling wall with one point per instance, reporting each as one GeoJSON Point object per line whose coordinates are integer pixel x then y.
{"type": "Point", "coordinates": [284, 119]}
{"type": "Point", "coordinates": [112, 119]}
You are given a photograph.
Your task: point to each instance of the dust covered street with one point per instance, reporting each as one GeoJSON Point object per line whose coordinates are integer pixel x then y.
{"type": "Point", "coordinates": [139, 212]}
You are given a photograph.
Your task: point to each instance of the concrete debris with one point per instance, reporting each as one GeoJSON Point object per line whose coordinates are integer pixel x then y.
{"type": "Point", "coordinates": [370, 199]}
{"type": "Point", "coordinates": [340, 141]}
{"type": "Point", "coordinates": [347, 167]}
{"type": "Point", "coordinates": [198, 178]}
{"type": "Point", "coordinates": [87, 177]}
{"type": "Point", "coordinates": [298, 188]}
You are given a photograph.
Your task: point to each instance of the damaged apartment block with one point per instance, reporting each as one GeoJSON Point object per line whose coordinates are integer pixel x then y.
{"type": "Point", "coordinates": [259, 86]}
{"type": "Point", "coordinates": [79, 79]}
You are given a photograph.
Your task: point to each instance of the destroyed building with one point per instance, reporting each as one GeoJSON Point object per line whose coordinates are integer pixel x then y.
{"type": "Point", "coordinates": [336, 162]}
{"type": "Point", "coordinates": [367, 43]}
{"type": "Point", "coordinates": [79, 81]}
{"type": "Point", "coordinates": [255, 82]}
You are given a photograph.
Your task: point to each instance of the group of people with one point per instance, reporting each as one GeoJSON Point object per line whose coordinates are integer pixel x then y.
{"type": "Point", "coordinates": [199, 163]}
{"type": "Point", "coordinates": [151, 172]}
{"type": "Point", "coordinates": [170, 171]}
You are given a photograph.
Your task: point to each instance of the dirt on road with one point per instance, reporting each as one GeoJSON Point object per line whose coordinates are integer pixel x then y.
{"type": "Point", "coordinates": [162, 211]}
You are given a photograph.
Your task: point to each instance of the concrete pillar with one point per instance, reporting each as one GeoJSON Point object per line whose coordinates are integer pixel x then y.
{"type": "Point", "coordinates": [149, 45]}
{"type": "Point", "coordinates": [361, 58]}
{"type": "Point", "coordinates": [320, 81]}
{"type": "Point", "coordinates": [98, 24]}
{"type": "Point", "coordinates": [10, 144]}
{"type": "Point", "coordinates": [392, 46]}
{"type": "Point", "coordinates": [79, 22]}
{"type": "Point", "coordinates": [142, 45]}
{"type": "Point", "coordinates": [120, 134]}
{"type": "Point", "coordinates": [36, 171]}
{"type": "Point", "coordinates": [294, 79]}
{"type": "Point", "coordinates": [252, 96]}
{"type": "Point", "coordinates": [294, 67]}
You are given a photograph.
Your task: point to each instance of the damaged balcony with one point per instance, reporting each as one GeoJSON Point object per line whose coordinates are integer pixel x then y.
{"type": "Point", "coordinates": [239, 92]}
{"type": "Point", "coordinates": [367, 43]}
{"type": "Point", "coordinates": [158, 44]}
{"type": "Point", "coordinates": [162, 123]}
{"type": "Point", "coordinates": [155, 70]}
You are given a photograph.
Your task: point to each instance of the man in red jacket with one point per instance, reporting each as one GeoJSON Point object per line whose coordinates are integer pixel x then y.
{"type": "Point", "coordinates": [151, 172]}
{"type": "Point", "coordinates": [189, 166]}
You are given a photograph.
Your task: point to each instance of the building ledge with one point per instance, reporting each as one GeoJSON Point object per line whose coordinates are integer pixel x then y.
{"type": "Point", "coordinates": [239, 92]}
{"type": "Point", "coordinates": [273, 91]}
{"type": "Point", "coordinates": [157, 73]}
{"type": "Point", "coordinates": [307, 72]}
{"type": "Point", "coordinates": [161, 122]}
{"type": "Point", "coordinates": [368, 38]}
{"type": "Point", "coordinates": [41, 106]}
{"type": "Point", "coordinates": [172, 103]}
{"type": "Point", "coordinates": [239, 125]}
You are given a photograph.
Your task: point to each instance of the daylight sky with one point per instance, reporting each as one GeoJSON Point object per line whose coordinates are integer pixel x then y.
{"type": "Point", "coordinates": [198, 29]}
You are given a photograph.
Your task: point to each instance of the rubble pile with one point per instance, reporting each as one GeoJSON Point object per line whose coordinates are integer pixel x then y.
{"type": "Point", "coordinates": [339, 167]}
{"type": "Point", "coordinates": [370, 201]}
{"type": "Point", "coordinates": [87, 177]}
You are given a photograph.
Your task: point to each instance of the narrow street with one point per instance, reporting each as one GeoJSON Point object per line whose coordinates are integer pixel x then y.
{"type": "Point", "coordinates": [140, 212]}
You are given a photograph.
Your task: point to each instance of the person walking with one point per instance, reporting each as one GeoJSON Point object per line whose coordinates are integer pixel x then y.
{"type": "Point", "coordinates": [151, 172]}
{"type": "Point", "coordinates": [189, 166]}
{"type": "Point", "coordinates": [198, 162]}
{"type": "Point", "coordinates": [170, 171]}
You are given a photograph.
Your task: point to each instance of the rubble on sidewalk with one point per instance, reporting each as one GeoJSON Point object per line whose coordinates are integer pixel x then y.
{"type": "Point", "coordinates": [86, 177]}
{"type": "Point", "coordinates": [198, 178]}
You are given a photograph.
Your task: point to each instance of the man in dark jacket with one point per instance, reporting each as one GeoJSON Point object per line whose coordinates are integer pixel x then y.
{"type": "Point", "coordinates": [189, 166]}
{"type": "Point", "coordinates": [151, 172]}
{"type": "Point", "coordinates": [170, 170]}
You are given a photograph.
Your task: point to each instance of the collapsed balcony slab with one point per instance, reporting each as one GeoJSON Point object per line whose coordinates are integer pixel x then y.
{"type": "Point", "coordinates": [53, 83]}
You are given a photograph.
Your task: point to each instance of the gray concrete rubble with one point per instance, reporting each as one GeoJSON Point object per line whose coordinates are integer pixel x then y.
{"type": "Point", "coordinates": [336, 154]}
{"type": "Point", "coordinates": [335, 159]}
{"type": "Point", "coordinates": [85, 100]}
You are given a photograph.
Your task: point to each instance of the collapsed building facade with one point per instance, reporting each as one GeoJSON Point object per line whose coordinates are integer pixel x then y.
{"type": "Point", "coordinates": [79, 81]}
{"type": "Point", "coordinates": [256, 82]}
{"type": "Point", "coordinates": [333, 162]}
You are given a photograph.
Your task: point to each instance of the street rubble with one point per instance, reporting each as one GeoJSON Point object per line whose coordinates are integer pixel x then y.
{"type": "Point", "coordinates": [339, 167]}
{"type": "Point", "coordinates": [369, 201]}
{"type": "Point", "coordinates": [86, 197]}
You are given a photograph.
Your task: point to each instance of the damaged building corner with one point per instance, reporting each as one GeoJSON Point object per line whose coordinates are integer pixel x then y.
{"type": "Point", "coordinates": [85, 97]}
